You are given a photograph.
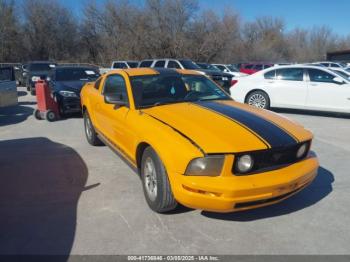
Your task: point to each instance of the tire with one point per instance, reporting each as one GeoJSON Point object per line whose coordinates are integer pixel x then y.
{"type": "Point", "coordinates": [28, 88]}
{"type": "Point", "coordinates": [50, 116]}
{"type": "Point", "coordinates": [37, 114]}
{"type": "Point", "coordinates": [91, 135]}
{"type": "Point", "coordinates": [258, 99]}
{"type": "Point", "coordinates": [32, 92]}
{"type": "Point", "coordinates": [155, 182]}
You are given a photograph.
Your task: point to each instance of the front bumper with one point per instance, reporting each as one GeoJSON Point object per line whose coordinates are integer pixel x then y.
{"type": "Point", "coordinates": [228, 193]}
{"type": "Point", "coordinates": [69, 104]}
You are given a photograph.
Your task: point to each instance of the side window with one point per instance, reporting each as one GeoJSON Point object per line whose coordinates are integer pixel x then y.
{"type": "Point", "coordinates": [147, 63]}
{"type": "Point", "coordinates": [258, 67]}
{"type": "Point", "coordinates": [248, 66]}
{"type": "Point", "coordinates": [270, 75]}
{"type": "Point", "coordinates": [115, 84]}
{"type": "Point", "coordinates": [97, 83]}
{"type": "Point", "coordinates": [120, 65]}
{"type": "Point", "coordinates": [160, 63]}
{"type": "Point", "coordinates": [173, 64]}
{"type": "Point", "coordinates": [222, 68]}
{"type": "Point", "coordinates": [290, 74]}
{"type": "Point", "coordinates": [335, 65]}
{"type": "Point", "coordinates": [317, 75]}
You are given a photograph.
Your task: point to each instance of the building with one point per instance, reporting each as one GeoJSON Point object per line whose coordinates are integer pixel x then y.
{"type": "Point", "coordinates": [341, 56]}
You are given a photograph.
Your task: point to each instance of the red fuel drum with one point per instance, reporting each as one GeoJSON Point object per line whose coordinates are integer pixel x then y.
{"type": "Point", "coordinates": [46, 105]}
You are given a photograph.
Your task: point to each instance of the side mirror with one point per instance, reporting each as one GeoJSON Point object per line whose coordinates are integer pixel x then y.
{"type": "Point", "coordinates": [226, 70]}
{"type": "Point", "coordinates": [339, 80]}
{"type": "Point", "coordinates": [115, 100]}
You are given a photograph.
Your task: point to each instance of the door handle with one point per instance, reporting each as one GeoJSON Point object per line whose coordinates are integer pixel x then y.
{"type": "Point", "coordinates": [314, 84]}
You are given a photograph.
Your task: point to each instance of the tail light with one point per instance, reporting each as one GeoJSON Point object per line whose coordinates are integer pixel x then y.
{"type": "Point", "coordinates": [233, 82]}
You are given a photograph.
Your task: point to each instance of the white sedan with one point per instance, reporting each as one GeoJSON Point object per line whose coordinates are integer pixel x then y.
{"type": "Point", "coordinates": [297, 87]}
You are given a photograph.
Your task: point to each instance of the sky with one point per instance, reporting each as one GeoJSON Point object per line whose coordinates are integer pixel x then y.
{"type": "Point", "coordinates": [296, 13]}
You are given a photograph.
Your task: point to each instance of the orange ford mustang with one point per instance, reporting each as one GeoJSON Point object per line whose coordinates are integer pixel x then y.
{"type": "Point", "coordinates": [193, 145]}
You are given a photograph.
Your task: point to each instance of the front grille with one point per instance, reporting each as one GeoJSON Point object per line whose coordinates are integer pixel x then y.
{"type": "Point", "coordinates": [271, 159]}
{"type": "Point", "coordinates": [266, 201]}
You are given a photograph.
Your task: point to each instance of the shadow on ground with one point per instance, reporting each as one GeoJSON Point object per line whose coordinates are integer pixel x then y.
{"type": "Point", "coordinates": [41, 182]}
{"type": "Point", "coordinates": [311, 113]}
{"type": "Point", "coordinates": [14, 114]}
{"type": "Point", "coordinates": [319, 189]}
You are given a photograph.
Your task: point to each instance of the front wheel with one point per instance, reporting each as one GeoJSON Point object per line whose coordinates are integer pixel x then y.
{"type": "Point", "coordinates": [91, 135]}
{"type": "Point", "coordinates": [258, 99]}
{"type": "Point", "coordinates": [50, 116]}
{"type": "Point", "coordinates": [156, 185]}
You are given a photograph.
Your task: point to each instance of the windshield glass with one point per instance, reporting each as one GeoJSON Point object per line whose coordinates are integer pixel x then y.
{"type": "Point", "coordinates": [41, 67]}
{"type": "Point", "coordinates": [209, 67]}
{"type": "Point", "coordinates": [188, 64]}
{"type": "Point", "coordinates": [342, 74]}
{"type": "Point", "coordinates": [153, 90]}
{"type": "Point", "coordinates": [76, 74]}
{"type": "Point", "coordinates": [232, 68]}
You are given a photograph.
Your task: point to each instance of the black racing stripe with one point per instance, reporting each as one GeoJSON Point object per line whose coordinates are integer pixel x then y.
{"type": "Point", "coordinates": [272, 134]}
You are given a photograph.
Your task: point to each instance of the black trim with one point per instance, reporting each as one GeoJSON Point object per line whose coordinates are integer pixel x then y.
{"type": "Point", "coordinates": [269, 200]}
{"type": "Point", "coordinates": [271, 159]}
{"type": "Point", "coordinates": [182, 134]}
{"type": "Point", "coordinates": [268, 131]}
{"type": "Point", "coordinates": [167, 71]}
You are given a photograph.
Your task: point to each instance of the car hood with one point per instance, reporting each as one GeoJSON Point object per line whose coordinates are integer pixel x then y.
{"type": "Point", "coordinates": [228, 126]}
{"type": "Point", "coordinates": [39, 73]}
{"type": "Point", "coordinates": [213, 72]}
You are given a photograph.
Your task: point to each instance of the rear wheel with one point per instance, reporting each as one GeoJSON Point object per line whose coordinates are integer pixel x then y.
{"type": "Point", "coordinates": [91, 135]}
{"type": "Point", "coordinates": [156, 185]}
{"type": "Point", "coordinates": [258, 99]}
{"type": "Point", "coordinates": [32, 92]}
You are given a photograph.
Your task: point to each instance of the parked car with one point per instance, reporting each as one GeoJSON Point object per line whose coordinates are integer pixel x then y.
{"type": "Point", "coordinates": [124, 64]}
{"type": "Point", "coordinates": [230, 69]}
{"type": "Point", "coordinates": [333, 65]}
{"type": "Point", "coordinates": [193, 145]}
{"type": "Point", "coordinates": [223, 79]}
{"type": "Point", "coordinates": [342, 72]}
{"type": "Point", "coordinates": [66, 84]}
{"type": "Point", "coordinates": [8, 88]}
{"type": "Point", "coordinates": [298, 86]}
{"type": "Point", "coordinates": [35, 71]}
{"type": "Point", "coordinates": [254, 67]}
{"type": "Point", "coordinates": [208, 66]}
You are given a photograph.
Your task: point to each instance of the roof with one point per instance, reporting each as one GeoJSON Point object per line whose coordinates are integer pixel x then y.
{"type": "Point", "coordinates": [154, 71]}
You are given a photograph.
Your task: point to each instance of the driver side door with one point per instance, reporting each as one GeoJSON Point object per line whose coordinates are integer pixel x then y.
{"type": "Point", "coordinates": [111, 119]}
{"type": "Point", "coordinates": [326, 94]}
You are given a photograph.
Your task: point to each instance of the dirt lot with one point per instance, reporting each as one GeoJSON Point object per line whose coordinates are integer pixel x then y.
{"type": "Point", "coordinates": [59, 195]}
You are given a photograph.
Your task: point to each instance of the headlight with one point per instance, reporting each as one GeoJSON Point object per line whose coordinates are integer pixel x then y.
{"type": "Point", "coordinates": [302, 151]}
{"type": "Point", "coordinates": [244, 163]}
{"type": "Point", "coordinates": [35, 78]}
{"type": "Point", "coordinates": [67, 94]}
{"type": "Point", "coordinates": [205, 166]}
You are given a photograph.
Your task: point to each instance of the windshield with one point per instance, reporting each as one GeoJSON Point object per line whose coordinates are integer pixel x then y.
{"type": "Point", "coordinates": [188, 64]}
{"type": "Point", "coordinates": [342, 74]}
{"type": "Point", "coordinates": [232, 68]}
{"type": "Point", "coordinates": [41, 67]}
{"type": "Point", "coordinates": [209, 67]}
{"type": "Point", "coordinates": [76, 74]}
{"type": "Point", "coordinates": [154, 90]}
{"type": "Point", "coordinates": [133, 64]}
